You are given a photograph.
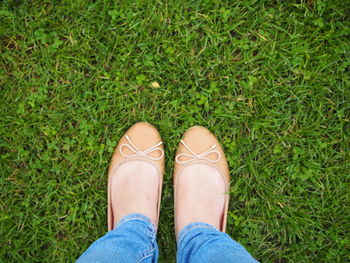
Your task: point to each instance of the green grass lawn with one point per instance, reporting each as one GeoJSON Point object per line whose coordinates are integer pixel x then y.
{"type": "Point", "coordinates": [269, 78]}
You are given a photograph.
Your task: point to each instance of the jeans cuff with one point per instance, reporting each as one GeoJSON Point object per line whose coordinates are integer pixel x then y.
{"type": "Point", "coordinates": [192, 226]}
{"type": "Point", "coordinates": [136, 217]}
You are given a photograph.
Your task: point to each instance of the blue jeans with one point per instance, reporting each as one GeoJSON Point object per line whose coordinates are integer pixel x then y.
{"type": "Point", "coordinates": [134, 240]}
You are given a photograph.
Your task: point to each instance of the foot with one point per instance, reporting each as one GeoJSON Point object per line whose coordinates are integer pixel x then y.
{"type": "Point", "coordinates": [200, 196]}
{"type": "Point", "coordinates": [135, 190]}
{"type": "Point", "coordinates": [135, 174]}
{"type": "Point", "coordinates": [201, 178]}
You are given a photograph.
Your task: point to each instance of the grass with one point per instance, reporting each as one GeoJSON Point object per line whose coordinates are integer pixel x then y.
{"type": "Point", "coordinates": [269, 78]}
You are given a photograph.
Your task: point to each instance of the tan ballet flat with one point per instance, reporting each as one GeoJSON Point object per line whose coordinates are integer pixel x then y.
{"type": "Point", "coordinates": [141, 142]}
{"type": "Point", "coordinates": [200, 146]}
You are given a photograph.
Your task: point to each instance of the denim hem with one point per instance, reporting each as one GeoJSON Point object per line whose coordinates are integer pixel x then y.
{"type": "Point", "coordinates": [192, 226]}
{"type": "Point", "coordinates": [136, 217]}
{"type": "Point", "coordinates": [146, 254]}
{"type": "Point", "coordinates": [150, 231]}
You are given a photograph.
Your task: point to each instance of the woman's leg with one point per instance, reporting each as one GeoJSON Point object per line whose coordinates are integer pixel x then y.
{"type": "Point", "coordinates": [132, 240]}
{"type": "Point", "coordinates": [201, 242]}
{"type": "Point", "coordinates": [134, 190]}
{"type": "Point", "coordinates": [201, 186]}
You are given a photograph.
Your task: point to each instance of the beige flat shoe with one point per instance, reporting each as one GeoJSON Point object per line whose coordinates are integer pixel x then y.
{"type": "Point", "coordinates": [200, 146]}
{"type": "Point", "coordinates": [141, 142]}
